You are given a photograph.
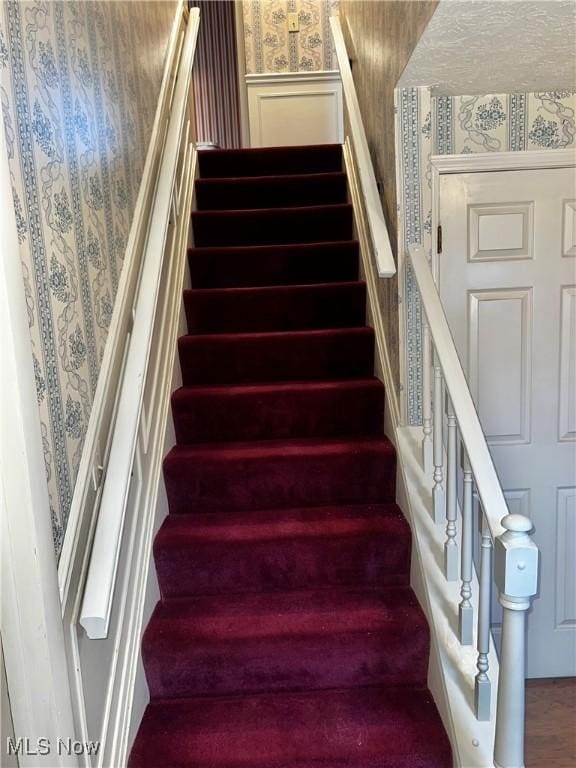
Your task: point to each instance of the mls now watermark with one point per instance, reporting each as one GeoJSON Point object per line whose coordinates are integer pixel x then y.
{"type": "Point", "coordinates": [42, 746]}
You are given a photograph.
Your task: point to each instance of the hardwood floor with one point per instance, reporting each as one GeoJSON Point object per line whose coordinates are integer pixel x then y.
{"type": "Point", "coordinates": [551, 723]}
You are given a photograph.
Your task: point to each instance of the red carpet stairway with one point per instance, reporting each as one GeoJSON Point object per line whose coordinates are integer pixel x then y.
{"type": "Point", "coordinates": [287, 633]}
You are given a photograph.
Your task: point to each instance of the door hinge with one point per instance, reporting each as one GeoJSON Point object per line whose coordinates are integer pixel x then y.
{"type": "Point", "coordinates": [439, 239]}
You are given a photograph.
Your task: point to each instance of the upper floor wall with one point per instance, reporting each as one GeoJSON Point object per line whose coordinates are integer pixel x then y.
{"type": "Point", "coordinates": [270, 47]}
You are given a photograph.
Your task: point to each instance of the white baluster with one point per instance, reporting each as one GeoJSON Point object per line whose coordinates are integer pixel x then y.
{"type": "Point", "coordinates": [516, 575]}
{"type": "Point", "coordinates": [465, 610]}
{"type": "Point", "coordinates": [482, 685]}
{"type": "Point", "coordinates": [426, 400]}
{"type": "Point", "coordinates": [439, 499]}
{"type": "Point", "coordinates": [450, 545]}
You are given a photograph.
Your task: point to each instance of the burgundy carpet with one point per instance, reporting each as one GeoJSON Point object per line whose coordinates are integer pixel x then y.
{"type": "Point", "coordinates": [287, 635]}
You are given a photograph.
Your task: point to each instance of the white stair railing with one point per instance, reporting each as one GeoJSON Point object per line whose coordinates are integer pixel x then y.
{"type": "Point", "coordinates": [504, 536]}
{"type": "Point", "coordinates": [367, 180]}
{"type": "Point", "coordinates": [165, 240]}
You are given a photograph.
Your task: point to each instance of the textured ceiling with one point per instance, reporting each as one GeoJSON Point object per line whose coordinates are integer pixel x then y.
{"type": "Point", "coordinates": [502, 46]}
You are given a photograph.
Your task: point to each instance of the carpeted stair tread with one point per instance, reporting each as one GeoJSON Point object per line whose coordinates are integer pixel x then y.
{"type": "Point", "coordinates": [275, 308]}
{"type": "Point", "coordinates": [380, 727]}
{"type": "Point", "coordinates": [273, 226]}
{"type": "Point", "coordinates": [278, 550]}
{"type": "Point", "coordinates": [286, 641]}
{"type": "Point", "coordinates": [296, 409]}
{"type": "Point", "coordinates": [292, 264]}
{"type": "Point", "coordinates": [242, 358]}
{"type": "Point", "coordinates": [281, 474]}
{"type": "Point", "coordinates": [287, 634]}
{"type": "Point", "coordinates": [263, 191]}
{"type": "Point", "coordinates": [270, 161]}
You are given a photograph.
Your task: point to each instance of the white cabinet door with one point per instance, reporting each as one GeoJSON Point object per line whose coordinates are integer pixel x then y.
{"type": "Point", "coordinates": [507, 277]}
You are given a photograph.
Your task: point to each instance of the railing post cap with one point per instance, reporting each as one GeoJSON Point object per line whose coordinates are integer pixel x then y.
{"type": "Point", "coordinates": [517, 523]}
{"type": "Point", "coordinates": [516, 562]}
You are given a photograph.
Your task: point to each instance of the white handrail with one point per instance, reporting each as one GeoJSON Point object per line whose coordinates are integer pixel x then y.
{"type": "Point", "coordinates": [487, 483]}
{"type": "Point", "coordinates": [87, 488]}
{"type": "Point", "coordinates": [376, 223]}
{"type": "Point", "coordinates": [101, 579]}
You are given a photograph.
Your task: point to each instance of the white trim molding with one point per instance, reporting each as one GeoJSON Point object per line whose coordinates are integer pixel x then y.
{"type": "Point", "coordinates": [267, 78]}
{"type": "Point", "coordinates": [241, 73]}
{"type": "Point", "coordinates": [504, 161]}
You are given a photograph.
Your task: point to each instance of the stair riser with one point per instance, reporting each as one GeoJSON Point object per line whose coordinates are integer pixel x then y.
{"type": "Point", "coordinates": [279, 481]}
{"type": "Point", "coordinates": [290, 357]}
{"type": "Point", "coordinates": [396, 656]}
{"type": "Point", "coordinates": [264, 414]}
{"type": "Point", "coordinates": [275, 309]}
{"type": "Point", "coordinates": [300, 225]}
{"type": "Point", "coordinates": [262, 193]}
{"type": "Point", "coordinates": [359, 728]}
{"type": "Point", "coordinates": [270, 161]}
{"type": "Point", "coordinates": [196, 568]}
{"type": "Point", "coordinates": [284, 265]}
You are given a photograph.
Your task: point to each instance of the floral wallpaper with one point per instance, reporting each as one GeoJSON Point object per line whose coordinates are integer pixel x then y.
{"type": "Point", "coordinates": [271, 48]}
{"type": "Point", "coordinates": [79, 83]}
{"type": "Point", "coordinates": [428, 125]}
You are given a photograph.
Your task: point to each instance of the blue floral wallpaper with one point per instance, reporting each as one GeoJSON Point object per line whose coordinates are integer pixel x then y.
{"type": "Point", "coordinates": [445, 125]}
{"type": "Point", "coordinates": [79, 83]}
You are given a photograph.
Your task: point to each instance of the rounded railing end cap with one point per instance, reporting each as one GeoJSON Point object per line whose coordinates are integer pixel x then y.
{"type": "Point", "coordinates": [517, 523]}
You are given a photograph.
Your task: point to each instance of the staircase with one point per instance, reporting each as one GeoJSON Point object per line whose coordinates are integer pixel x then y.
{"type": "Point", "coordinates": [287, 633]}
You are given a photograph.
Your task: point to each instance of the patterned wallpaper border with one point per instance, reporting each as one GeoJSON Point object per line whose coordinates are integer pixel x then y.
{"type": "Point", "coordinates": [79, 83]}
{"type": "Point", "coordinates": [427, 125]}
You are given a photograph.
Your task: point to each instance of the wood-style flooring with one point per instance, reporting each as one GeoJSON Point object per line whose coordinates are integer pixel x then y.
{"type": "Point", "coordinates": [551, 723]}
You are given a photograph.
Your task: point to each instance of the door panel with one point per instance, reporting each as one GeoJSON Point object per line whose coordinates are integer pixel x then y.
{"type": "Point", "coordinates": [567, 384]}
{"type": "Point", "coordinates": [499, 336]}
{"type": "Point", "coordinates": [508, 284]}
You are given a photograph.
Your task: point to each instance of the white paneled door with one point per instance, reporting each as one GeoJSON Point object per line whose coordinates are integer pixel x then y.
{"type": "Point", "coordinates": [507, 277]}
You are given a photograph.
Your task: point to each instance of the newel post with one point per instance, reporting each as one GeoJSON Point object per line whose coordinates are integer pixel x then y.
{"type": "Point", "coordinates": [516, 576]}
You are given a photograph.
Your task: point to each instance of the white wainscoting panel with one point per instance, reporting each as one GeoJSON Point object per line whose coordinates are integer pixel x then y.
{"type": "Point", "coordinates": [295, 108]}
